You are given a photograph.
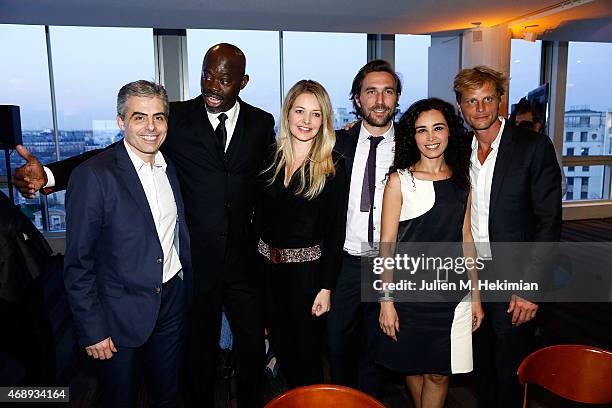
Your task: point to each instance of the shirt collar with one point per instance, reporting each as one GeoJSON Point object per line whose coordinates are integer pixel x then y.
{"type": "Point", "coordinates": [497, 140]}
{"type": "Point", "coordinates": [389, 135]}
{"type": "Point", "coordinates": [232, 114]}
{"type": "Point", "coordinates": [139, 163]}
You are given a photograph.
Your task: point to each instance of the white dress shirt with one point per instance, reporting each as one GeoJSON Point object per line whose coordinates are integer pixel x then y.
{"type": "Point", "coordinates": [230, 122]}
{"type": "Point", "coordinates": [356, 220]}
{"type": "Point", "coordinates": [481, 176]}
{"type": "Point", "coordinates": [163, 208]}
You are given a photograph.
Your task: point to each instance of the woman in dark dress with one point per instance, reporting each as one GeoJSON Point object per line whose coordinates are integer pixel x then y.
{"type": "Point", "coordinates": [300, 222]}
{"type": "Point", "coordinates": [426, 199]}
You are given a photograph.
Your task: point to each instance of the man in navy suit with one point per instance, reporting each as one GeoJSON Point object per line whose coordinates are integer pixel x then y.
{"type": "Point", "coordinates": [127, 267]}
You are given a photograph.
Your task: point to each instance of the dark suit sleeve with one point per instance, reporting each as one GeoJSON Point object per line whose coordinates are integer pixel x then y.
{"type": "Point", "coordinates": [333, 241]}
{"type": "Point", "coordinates": [62, 169]}
{"type": "Point", "coordinates": [271, 135]}
{"type": "Point", "coordinates": [546, 192]}
{"type": "Point", "coordinates": [546, 206]}
{"type": "Point", "coordinates": [84, 218]}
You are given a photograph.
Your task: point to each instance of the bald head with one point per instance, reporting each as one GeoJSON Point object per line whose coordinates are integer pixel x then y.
{"type": "Point", "coordinates": [226, 51]}
{"type": "Point", "coordinates": [223, 77]}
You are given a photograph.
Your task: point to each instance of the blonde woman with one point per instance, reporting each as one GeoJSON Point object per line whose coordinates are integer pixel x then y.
{"type": "Point", "coordinates": [300, 223]}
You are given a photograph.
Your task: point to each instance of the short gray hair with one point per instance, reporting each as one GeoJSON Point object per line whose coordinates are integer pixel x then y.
{"type": "Point", "coordinates": [140, 88]}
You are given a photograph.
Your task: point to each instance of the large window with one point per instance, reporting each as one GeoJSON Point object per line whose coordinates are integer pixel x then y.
{"type": "Point", "coordinates": [587, 112]}
{"type": "Point", "coordinates": [89, 66]}
{"type": "Point", "coordinates": [25, 83]}
{"type": "Point", "coordinates": [411, 64]}
{"type": "Point", "coordinates": [263, 63]}
{"type": "Point", "coordinates": [525, 60]}
{"type": "Point", "coordinates": [329, 58]}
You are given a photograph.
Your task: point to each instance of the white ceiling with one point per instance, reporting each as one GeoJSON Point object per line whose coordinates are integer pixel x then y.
{"type": "Point", "coordinates": [369, 16]}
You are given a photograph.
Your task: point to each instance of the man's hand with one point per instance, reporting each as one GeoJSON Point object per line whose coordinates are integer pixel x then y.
{"type": "Point", "coordinates": [349, 125]}
{"type": "Point", "coordinates": [522, 310]}
{"type": "Point", "coordinates": [388, 319]}
{"type": "Point", "coordinates": [30, 177]}
{"type": "Point", "coordinates": [321, 303]}
{"type": "Point", "coordinates": [102, 350]}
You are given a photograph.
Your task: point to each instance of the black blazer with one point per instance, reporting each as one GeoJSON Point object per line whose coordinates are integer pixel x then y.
{"type": "Point", "coordinates": [525, 206]}
{"type": "Point", "coordinates": [218, 188]}
{"type": "Point", "coordinates": [346, 145]}
{"type": "Point", "coordinates": [525, 198]}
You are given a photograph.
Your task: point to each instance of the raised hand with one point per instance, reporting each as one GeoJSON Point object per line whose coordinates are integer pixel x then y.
{"type": "Point", "coordinates": [30, 177]}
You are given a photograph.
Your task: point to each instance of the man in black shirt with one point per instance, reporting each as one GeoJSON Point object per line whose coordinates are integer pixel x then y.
{"type": "Point", "coordinates": [217, 142]}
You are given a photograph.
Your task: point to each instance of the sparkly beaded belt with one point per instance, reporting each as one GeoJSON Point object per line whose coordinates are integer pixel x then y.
{"type": "Point", "coordinates": [279, 255]}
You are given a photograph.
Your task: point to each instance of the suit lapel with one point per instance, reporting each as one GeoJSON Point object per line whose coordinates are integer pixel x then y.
{"type": "Point", "coordinates": [174, 184]}
{"type": "Point", "coordinates": [208, 136]}
{"type": "Point", "coordinates": [238, 134]}
{"type": "Point", "coordinates": [178, 199]}
{"type": "Point", "coordinates": [132, 184]}
{"type": "Point", "coordinates": [351, 147]}
{"type": "Point", "coordinates": [501, 166]}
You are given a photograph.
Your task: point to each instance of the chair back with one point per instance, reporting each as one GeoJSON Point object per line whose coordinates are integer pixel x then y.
{"type": "Point", "coordinates": [578, 373]}
{"type": "Point", "coordinates": [324, 396]}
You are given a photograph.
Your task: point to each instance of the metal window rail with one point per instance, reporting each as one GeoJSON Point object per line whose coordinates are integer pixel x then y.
{"type": "Point", "coordinates": [605, 161]}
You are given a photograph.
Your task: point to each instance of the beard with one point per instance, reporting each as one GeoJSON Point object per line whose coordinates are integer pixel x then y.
{"type": "Point", "coordinates": [372, 120]}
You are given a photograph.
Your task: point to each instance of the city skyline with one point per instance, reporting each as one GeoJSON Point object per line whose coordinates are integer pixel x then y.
{"type": "Point", "coordinates": [86, 90]}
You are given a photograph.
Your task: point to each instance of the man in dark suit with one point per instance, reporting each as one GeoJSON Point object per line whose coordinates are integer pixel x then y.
{"type": "Point", "coordinates": [368, 149]}
{"type": "Point", "coordinates": [127, 268]}
{"type": "Point", "coordinates": [516, 197]}
{"type": "Point", "coordinates": [217, 143]}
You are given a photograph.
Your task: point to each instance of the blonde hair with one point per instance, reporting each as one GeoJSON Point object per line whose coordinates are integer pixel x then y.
{"type": "Point", "coordinates": [319, 162]}
{"type": "Point", "coordinates": [474, 78]}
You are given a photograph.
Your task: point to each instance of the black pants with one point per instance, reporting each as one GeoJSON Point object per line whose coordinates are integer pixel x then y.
{"type": "Point", "coordinates": [296, 335]}
{"type": "Point", "coordinates": [352, 329]}
{"type": "Point", "coordinates": [158, 358]}
{"type": "Point", "coordinates": [499, 348]}
{"type": "Point", "coordinates": [240, 298]}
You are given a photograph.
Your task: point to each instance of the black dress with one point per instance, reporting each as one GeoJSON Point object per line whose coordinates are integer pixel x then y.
{"type": "Point", "coordinates": [434, 337]}
{"type": "Point", "coordinates": [285, 220]}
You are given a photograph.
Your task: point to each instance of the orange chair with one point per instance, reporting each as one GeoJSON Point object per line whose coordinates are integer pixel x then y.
{"type": "Point", "coordinates": [577, 373]}
{"type": "Point", "coordinates": [324, 396]}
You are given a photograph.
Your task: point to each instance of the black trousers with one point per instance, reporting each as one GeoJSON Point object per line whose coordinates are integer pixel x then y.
{"type": "Point", "coordinates": [296, 335]}
{"type": "Point", "coordinates": [158, 358]}
{"type": "Point", "coordinates": [240, 298]}
{"type": "Point", "coordinates": [352, 332]}
{"type": "Point", "coordinates": [499, 348]}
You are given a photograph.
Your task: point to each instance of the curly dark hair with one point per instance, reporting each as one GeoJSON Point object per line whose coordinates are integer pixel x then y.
{"type": "Point", "coordinates": [457, 153]}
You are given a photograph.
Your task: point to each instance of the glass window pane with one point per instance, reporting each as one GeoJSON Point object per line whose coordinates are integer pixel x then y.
{"type": "Point", "coordinates": [86, 86]}
{"type": "Point", "coordinates": [525, 61]}
{"type": "Point", "coordinates": [262, 58]}
{"type": "Point", "coordinates": [331, 59]}
{"type": "Point", "coordinates": [411, 64]}
{"type": "Point", "coordinates": [25, 73]}
{"type": "Point", "coordinates": [588, 100]}
{"type": "Point", "coordinates": [90, 64]}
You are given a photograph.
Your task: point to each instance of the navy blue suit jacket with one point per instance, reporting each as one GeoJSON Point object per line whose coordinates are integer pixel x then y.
{"type": "Point", "coordinates": [114, 260]}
